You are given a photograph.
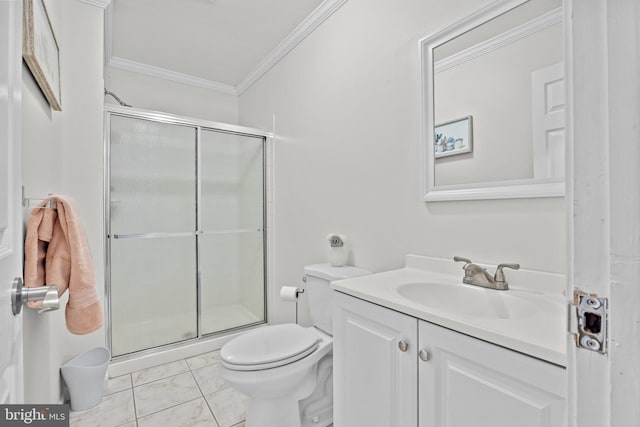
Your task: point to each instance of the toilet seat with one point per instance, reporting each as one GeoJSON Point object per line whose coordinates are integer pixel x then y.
{"type": "Point", "coordinates": [269, 347]}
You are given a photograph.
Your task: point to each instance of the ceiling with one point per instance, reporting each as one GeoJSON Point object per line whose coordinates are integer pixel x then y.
{"type": "Point", "coordinates": [224, 45]}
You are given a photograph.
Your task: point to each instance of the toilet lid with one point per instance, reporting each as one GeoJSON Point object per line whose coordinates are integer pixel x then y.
{"type": "Point", "coordinates": [269, 347]}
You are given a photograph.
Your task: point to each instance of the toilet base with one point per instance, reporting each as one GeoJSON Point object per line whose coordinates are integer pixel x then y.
{"type": "Point", "coordinates": [298, 394]}
{"type": "Point", "coordinates": [281, 412]}
{"type": "Point", "coordinates": [317, 409]}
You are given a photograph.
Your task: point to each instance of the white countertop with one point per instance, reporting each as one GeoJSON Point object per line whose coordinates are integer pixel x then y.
{"type": "Point", "coordinates": [541, 333]}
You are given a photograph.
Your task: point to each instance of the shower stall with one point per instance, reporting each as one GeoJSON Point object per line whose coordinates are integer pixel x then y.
{"type": "Point", "coordinates": [185, 229]}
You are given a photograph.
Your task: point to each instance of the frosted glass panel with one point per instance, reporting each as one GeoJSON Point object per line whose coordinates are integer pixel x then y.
{"type": "Point", "coordinates": [232, 181]}
{"type": "Point", "coordinates": [153, 177]}
{"type": "Point", "coordinates": [232, 280]}
{"type": "Point", "coordinates": [186, 232]}
{"type": "Point", "coordinates": [153, 292]}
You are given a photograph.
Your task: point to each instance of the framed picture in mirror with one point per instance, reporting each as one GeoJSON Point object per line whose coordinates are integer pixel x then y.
{"type": "Point", "coordinates": [453, 137]}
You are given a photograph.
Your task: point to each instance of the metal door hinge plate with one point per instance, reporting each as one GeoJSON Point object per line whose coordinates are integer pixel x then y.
{"type": "Point", "coordinates": [588, 321]}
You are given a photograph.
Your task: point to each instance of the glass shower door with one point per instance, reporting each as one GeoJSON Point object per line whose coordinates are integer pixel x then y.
{"type": "Point", "coordinates": [152, 232]}
{"type": "Point", "coordinates": [231, 251]}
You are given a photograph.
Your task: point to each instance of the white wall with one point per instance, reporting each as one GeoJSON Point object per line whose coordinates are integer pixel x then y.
{"type": "Point", "coordinates": [42, 174]}
{"type": "Point", "coordinates": [42, 136]}
{"type": "Point", "coordinates": [346, 103]}
{"type": "Point", "coordinates": [151, 93]}
{"type": "Point", "coordinates": [62, 153]}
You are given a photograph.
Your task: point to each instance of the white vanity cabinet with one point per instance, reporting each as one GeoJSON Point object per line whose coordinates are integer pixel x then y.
{"type": "Point", "coordinates": [374, 379]}
{"type": "Point", "coordinates": [380, 382]}
{"type": "Point", "coordinates": [468, 382]}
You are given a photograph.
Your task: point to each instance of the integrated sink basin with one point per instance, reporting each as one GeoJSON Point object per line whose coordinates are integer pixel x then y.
{"type": "Point", "coordinates": [470, 301]}
{"type": "Point", "coordinates": [530, 317]}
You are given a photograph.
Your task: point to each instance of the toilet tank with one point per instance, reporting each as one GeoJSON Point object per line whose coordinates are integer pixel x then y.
{"type": "Point", "coordinates": [319, 293]}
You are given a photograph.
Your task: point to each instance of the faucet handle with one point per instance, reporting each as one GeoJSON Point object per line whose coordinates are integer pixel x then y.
{"type": "Point", "coordinates": [460, 259]}
{"type": "Point", "coordinates": [467, 261]}
{"type": "Point", "coordinates": [499, 276]}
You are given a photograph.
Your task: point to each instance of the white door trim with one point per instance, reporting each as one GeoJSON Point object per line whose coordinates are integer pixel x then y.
{"type": "Point", "coordinates": [603, 210]}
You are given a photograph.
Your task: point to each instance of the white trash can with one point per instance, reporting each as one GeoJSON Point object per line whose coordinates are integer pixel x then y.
{"type": "Point", "coordinates": [84, 375]}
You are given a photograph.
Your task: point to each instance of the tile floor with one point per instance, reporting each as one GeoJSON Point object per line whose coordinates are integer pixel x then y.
{"type": "Point", "coordinates": [186, 393]}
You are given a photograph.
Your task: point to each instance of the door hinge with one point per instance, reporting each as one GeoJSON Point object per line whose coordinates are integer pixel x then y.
{"type": "Point", "coordinates": [588, 321]}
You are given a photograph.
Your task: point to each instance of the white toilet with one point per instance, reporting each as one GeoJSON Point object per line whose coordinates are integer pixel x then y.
{"type": "Point", "coordinates": [286, 370]}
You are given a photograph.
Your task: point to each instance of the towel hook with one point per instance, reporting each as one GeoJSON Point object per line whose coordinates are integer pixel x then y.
{"type": "Point", "coordinates": [26, 202]}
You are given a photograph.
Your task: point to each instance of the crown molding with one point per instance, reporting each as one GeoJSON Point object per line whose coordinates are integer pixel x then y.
{"type": "Point", "coordinates": [313, 21]}
{"type": "Point", "coordinates": [99, 3]}
{"type": "Point", "coordinates": [531, 27]}
{"type": "Point", "coordinates": [315, 18]}
{"type": "Point", "coordinates": [161, 73]}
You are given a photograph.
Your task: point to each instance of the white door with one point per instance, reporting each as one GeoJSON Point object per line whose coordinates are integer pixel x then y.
{"type": "Point", "coordinates": [11, 371]}
{"type": "Point", "coordinates": [548, 121]}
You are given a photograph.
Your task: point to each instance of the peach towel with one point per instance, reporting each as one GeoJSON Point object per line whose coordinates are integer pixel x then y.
{"type": "Point", "coordinates": [56, 253]}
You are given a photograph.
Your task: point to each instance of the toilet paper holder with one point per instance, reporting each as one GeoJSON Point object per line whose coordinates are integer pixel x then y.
{"type": "Point", "coordinates": [290, 293]}
{"type": "Point", "coordinates": [20, 295]}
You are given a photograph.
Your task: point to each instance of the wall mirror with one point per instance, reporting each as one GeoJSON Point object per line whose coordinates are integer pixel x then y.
{"type": "Point", "coordinates": [493, 104]}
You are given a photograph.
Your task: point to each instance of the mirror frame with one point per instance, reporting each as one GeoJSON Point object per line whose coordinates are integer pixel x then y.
{"type": "Point", "coordinates": [520, 188]}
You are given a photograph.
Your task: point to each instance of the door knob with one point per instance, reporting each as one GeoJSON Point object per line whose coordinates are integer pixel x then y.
{"type": "Point", "coordinates": [21, 295]}
{"type": "Point", "coordinates": [403, 346]}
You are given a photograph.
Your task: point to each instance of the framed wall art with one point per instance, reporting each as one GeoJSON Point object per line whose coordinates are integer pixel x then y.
{"type": "Point", "coordinates": [453, 137]}
{"type": "Point", "coordinates": [40, 51]}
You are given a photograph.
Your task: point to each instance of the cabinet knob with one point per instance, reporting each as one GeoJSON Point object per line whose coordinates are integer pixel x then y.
{"type": "Point", "coordinates": [423, 355]}
{"type": "Point", "coordinates": [403, 346]}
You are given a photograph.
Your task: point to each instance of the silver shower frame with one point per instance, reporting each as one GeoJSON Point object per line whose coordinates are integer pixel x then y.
{"type": "Point", "coordinates": [267, 137]}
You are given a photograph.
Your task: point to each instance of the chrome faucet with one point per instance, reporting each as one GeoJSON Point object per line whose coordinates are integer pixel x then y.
{"type": "Point", "coordinates": [478, 276]}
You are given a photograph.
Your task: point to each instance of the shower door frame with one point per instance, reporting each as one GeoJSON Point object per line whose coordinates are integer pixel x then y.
{"type": "Point", "coordinates": [198, 125]}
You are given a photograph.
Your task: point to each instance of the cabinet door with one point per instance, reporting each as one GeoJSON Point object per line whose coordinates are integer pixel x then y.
{"type": "Point", "coordinates": [469, 382]}
{"type": "Point", "coordinates": [374, 379]}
